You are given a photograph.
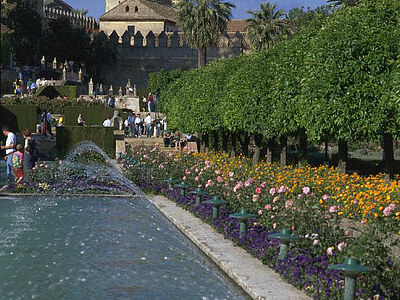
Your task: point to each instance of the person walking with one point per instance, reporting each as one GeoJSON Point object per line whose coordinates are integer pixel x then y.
{"type": "Point", "coordinates": [11, 143]}
{"type": "Point", "coordinates": [17, 161]}
{"type": "Point", "coordinates": [43, 122]}
{"type": "Point", "coordinates": [149, 102]}
{"type": "Point", "coordinates": [138, 123]}
{"type": "Point", "coordinates": [107, 122]}
{"type": "Point", "coordinates": [148, 122]}
{"type": "Point", "coordinates": [48, 122]}
{"type": "Point", "coordinates": [131, 125]}
{"type": "Point", "coordinates": [30, 152]}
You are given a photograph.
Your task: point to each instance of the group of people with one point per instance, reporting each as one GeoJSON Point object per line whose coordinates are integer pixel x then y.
{"type": "Point", "coordinates": [31, 86]}
{"type": "Point", "coordinates": [175, 140]}
{"type": "Point", "coordinates": [19, 158]}
{"type": "Point", "coordinates": [150, 102]}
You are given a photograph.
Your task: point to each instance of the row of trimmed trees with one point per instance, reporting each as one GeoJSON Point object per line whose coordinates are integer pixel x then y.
{"type": "Point", "coordinates": [338, 79]}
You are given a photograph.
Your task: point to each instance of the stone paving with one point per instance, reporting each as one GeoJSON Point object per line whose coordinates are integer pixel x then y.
{"type": "Point", "coordinates": [249, 273]}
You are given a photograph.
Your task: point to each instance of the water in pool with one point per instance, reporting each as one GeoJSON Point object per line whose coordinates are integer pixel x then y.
{"type": "Point", "coordinates": [100, 248]}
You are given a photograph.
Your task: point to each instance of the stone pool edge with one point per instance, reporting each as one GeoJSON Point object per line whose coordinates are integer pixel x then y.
{"type": "Point", "coordinates": [255, 278]}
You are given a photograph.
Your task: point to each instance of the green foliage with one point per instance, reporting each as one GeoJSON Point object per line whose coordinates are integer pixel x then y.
{"type": "Point", "coordinates": [19, 117]}
{"type": "Point", "coordinates": [25, 30]}
{"type": "Point", "coordinates": [202, 21]}
{"type": "Point", "coordinates": [91, 115]}
{"type": "Point", "coordinates": [266, 26]}
{"type": "Point", "coordinates": [5, 52]}
{"type": "Point", "coordinates": [56, 106]}
{"type": "Point", "coordinates": [69, 136]}
{"type": "Point", "coordinates": [349, 70]}
{"type": "Point", "coordinates": [337, 77]}
{"type": "Point", "coordinates": [57, 91]}
{"type": "Point", "coordinates": [161, 81]}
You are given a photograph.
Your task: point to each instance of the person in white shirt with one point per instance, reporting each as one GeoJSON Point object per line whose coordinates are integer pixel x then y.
{"type": "Point", "coordinates": [148, 121]}
{"type": "Point", "coordinates": [80, 120]}
{"type": "Point", "coordinates": [107, 122]}
{"type": "Point", "coordinates": [138, 123]}
{"type": "Point", "coordinates": [11, 143]}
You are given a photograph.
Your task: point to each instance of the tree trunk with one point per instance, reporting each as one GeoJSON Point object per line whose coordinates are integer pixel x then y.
{"type": "Point", "coordinates": [257, 152]}
{"type": "Point", "coordinates": [201, 57]}
{"type": "Point", "coordinates": [216, 140]}
{"type": "Point", "coordinates": [225, 138]}
{"type": "Point", "coordinates": [283, 149]}
{"type": "Point", "coordinates": [326, 155]}
{"type": "Point", "coordinates": [205, 143]}
{"type": "Point", "coordinates": [270, 146]}
{"type": "Point", "coordinates": [388, 155]}
{"type": "Point", "coordinates": [233, 144]}
{"type": "Point", "coordinates": [245, 144]}
{"type": "Point", "coordinates": [303, 146]}
{"type": "Point", "coordinates": [343, 155]}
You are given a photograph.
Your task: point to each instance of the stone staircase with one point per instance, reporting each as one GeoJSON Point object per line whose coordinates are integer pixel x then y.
{"type": "Point", "coordinates": [148, 142]}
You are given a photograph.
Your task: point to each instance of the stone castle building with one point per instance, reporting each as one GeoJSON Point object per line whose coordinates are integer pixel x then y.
{"type": "Point", "coordinates": [148, 40]}
{"type": "Point", "coordinates": [138, 15]}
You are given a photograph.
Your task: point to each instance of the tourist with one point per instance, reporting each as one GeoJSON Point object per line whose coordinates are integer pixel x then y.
{"type": "Point", "coordinates": [111, 102]}
{"type": "Point", "coordinates": [195, 139]}
{"type": "Point", "coordinates": [157, 125]}
{"type": "Point", "coordinates": [81, 122]}
{"type": "Point", "coordinates": [107, 122]}
{"type": "Point", "coordinates": [30, 152]}
{"type": "Point", "coordinates": [131, 124]}
{"type": "Point", "coordinates": [48, 122]}
{"type": "Point", "coordinates": [43, 123]}
{"type": "Point", "coordinates": [126, 127]}
{"type": "Point", "coordinates": [17, 161]}
{"type": "Point", "coordinates": [148, 122]}
{"type": "Point", "coordinates": [33, 88]}
{"type": "Point", "coordinates": [149, 102]}
{"type": "Point", "coordinates": [60, 121]}
{"type": "Point", "coordinates": [138, 123]}
{"type": "Point", "coordinates": [11, 142]}
{"type": "Point", "coordinates": [167, 139]}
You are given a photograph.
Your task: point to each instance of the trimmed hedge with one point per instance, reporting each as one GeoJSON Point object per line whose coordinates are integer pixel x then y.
{"type": "Point", "coordinates": [69, 136]}
{"type": "Point", "coordinates": [91, 115]}
{"type": "Point", "coordinates": [19, 117]}
{"type": "Point", "coordinates": [57, 91]}
{"type": "Point", "coordinates": [56, 106]}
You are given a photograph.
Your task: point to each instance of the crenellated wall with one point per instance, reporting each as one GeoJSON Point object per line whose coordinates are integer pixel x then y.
{"type": "Point", "coordinates": [137, 56]}
{"type": "Point", "coordinates": [76, 19]}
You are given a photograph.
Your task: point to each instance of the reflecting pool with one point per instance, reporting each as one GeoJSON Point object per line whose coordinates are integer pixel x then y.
{"type": "Point", "coordinates": [100, 248]}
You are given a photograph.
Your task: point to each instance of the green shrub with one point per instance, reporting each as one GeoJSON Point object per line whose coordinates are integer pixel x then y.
{"type": "Point", "coordinates": [69, 136]}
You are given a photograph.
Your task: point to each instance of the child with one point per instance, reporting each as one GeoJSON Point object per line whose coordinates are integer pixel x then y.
{"type": "Point", "coordinates": [17, 161]}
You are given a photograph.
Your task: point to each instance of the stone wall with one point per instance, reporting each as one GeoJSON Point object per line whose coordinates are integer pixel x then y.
{"type": "Point", "coordinates": [138, 56]}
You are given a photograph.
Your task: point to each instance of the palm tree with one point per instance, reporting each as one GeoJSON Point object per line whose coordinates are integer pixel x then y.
{"type": "Point", "coordinates": [266, 26]}
{"type": "Point", "coordinates": [81, 11]}
{"type": "Point", "coordinates": [202, 22]}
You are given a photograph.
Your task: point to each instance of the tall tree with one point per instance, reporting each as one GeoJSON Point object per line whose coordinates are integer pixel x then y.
{"type": "Point", "coordinates": [202, 22]}
{"type": "Point", "coordinates": [266, 26]}
{"type": "Point", "coordinates": [25, 28]}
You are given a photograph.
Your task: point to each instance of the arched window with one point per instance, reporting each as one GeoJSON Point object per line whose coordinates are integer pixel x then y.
{"type": "Point", "coordinates": [136, 9]}
{"type": "Point", "coordinates": [127, 8]}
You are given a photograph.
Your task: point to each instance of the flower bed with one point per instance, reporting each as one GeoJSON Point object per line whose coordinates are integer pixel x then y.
{"type": "Point", "coordinates": [311, 201]}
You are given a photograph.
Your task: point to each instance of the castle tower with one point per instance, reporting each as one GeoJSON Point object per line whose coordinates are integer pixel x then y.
{"type": "Point", "coordinates": [110, 4]}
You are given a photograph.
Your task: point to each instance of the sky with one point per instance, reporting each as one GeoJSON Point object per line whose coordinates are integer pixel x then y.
{"type": "Point", "coordinates": [97, 7]}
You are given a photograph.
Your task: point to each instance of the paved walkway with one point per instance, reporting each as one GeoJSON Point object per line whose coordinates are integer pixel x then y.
{"type": "Point", "coordinates": [256, 279]}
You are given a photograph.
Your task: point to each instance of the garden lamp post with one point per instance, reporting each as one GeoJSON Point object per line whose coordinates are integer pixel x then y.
{"type": "Point", "coordinates": [285, 237]}
{"type": "Point", "coordinates": [183, 186]}
{"type": "Point", "coordinates": [351, 268]}
{"type": "Point", "coordinates": [171, 182]}
{"type": "Point", "coordinates": [199, 192]}
{"type": "Point", "coordinates": [242, 216]}
{"type": "Point", "coordinates": [216, 202]}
